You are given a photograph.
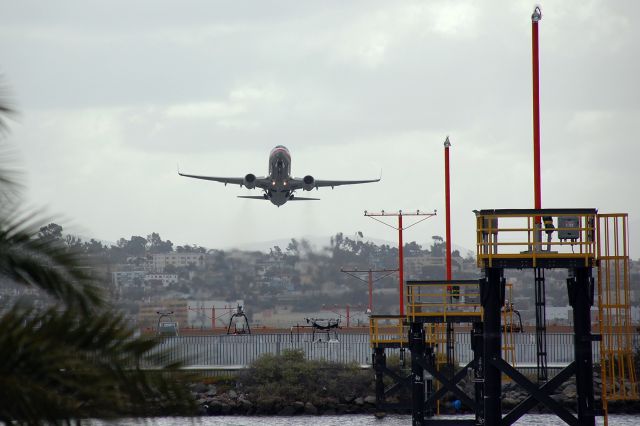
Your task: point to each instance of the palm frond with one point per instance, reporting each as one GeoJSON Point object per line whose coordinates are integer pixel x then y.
{"type": "Point", "coordinates": [45, 264]}
{"type": "Point", "coordinates": [92, 367]}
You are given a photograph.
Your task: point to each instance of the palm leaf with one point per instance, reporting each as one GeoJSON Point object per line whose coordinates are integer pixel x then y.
{"type": "Point", "coordinates": [45, 264]}
{"type": "Point", "coordinates": [73, 359]}
{"type": "Point", "coordinates": [79, 369]}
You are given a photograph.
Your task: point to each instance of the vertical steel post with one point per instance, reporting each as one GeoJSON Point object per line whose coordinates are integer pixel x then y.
{"type": "Point", "coordinates": [541, 325]}
{"type": "Point", "coordinates": [213, 318]}
{"type": "Point", "coordinates": [379, 362]}
{"type": "Point", "coordinates": [492, 299]}
{"type": "Point", "coordinates": [401, 263]}
{"type": "Point", "coordinates": [478, 370]}
{"type": "Point", "coordinates": [348, 316]}
{"type": "Point", "coordinates": [417, 347]}
{"type": "Point", "coordinates": [580, 288]}
{"type": "Point", "coordinates": [535, 18]}
{"type": "Point", "coordinates": [370, 290]}
{"type": "Point", "coordinates": [447, 144]}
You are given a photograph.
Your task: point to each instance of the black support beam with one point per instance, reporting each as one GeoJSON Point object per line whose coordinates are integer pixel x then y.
{"type": "Point", "coordinates": [492, 300]}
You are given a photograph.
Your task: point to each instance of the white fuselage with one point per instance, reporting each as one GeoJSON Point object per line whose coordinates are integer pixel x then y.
{"type": "Point", "coordinates": [280, 174]}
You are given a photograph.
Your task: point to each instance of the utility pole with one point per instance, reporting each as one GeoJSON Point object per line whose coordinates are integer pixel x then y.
{"type": "Point", "coordinates": [447, 197]}
{"type": "Point", "coordinates": [400, 228]}
{"type": "Point", "coordinates": [369, 281]}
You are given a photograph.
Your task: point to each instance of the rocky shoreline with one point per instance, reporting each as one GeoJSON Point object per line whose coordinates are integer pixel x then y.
{"type": "Point", "coordinates": [287, 385]}
{"type": "Point", "coordinates": [211, 402]}
{"type": "Point", "coordinates": [215, 400]}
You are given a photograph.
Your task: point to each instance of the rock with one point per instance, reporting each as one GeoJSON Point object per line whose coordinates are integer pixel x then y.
{"type": "Point", "coordinates": [370, 399]}
{"type": "Point", "coordinates": [289, 410]}
{"type": "Point", "coordinates": [310, 409]}
{"type": "Point", "coordinates": [232, 394]}
{"type": "Point", "coordinates": [299, 406]}
{"type": "Point", "coordinates": [225, 408]}
{"type": "Point", "coordinates": [509, 402]}
{"type": "Point", "coordinates": [244, 403]}
{"type": "Point", "coordinates": [359, 401]}
{"type": "Point", "coordinates": [200, 388]}
{"type": "Point", "coordinates": [215, 407]}
{"type": "Point", "coordinates": [348, 399]}
{"type": "Point", "coordinates": [558, 398]}
{"type": "Point", "coordinates": [570, 391]}
{"type": "Point", "coordinates": [342, 408]}
{"type": "Point", "coordinates": [329, 412]}
{"type": "Point", "coordinates": [264, 406]}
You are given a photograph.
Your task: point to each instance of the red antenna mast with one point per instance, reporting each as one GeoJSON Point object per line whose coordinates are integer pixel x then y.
{"type": "Point", "coordinates": [535, 18]}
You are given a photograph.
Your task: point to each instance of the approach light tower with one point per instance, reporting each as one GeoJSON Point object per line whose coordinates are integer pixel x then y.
{"type": "Point", "coordinates": [355, 274]}
{"type": "Point", "coordinates": [535, 63]}
{"type": "Point", "coordinates": [400, 228]}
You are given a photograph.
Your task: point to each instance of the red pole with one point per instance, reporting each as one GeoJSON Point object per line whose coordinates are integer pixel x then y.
{"type": "Point", "coordinates": [370, 291]}
{"type": "Point", "coordinates": [401, 263]}
{"type": "Point", "coordinates": [348, 316]}
{"type": "Point", "coordinates": [447, 144]}
{"type": "Point", "coordinates": [535, 18]}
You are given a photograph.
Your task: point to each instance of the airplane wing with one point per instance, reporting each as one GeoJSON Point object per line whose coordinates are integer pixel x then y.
{"type": "Point", "coordinates": [299, 183]}
{"type": "Point", "coordinates": [259, 182]}
{"type": "Point", "coordinates": [260, 197]}
{"type": "Point", "coordinates": [332, 183]}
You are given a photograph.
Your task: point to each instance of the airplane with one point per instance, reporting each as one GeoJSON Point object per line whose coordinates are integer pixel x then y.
{"type": "Point", "coordinates": [279, 186]}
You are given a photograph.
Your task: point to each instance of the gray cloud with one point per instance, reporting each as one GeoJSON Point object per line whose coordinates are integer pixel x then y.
{"type": "Point", "coordinates": [113, 94]}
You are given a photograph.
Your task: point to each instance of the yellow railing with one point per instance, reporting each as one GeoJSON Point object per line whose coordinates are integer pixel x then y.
{"type": "Point", "coordinates": [388, 330]}
{"type": "Point", "coordinates": [533, 235]}
{"type": "Point", "coordinates": [443, 299]}
{"type": "Point", "coordinates": [619, 380]}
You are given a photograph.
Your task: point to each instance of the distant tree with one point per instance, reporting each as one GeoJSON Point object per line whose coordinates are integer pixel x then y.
{"type": "Point", "coordinates": [293, 248]}
{"type": "Point", "coordinates": [93, 247]}
{"type": "Point", "coordinates": [438, 247]}
{"type": "Point", "coordinates": [276, 252]}
{"type": "Point", "coordinates": [52, 231]}
{"type": "Point", "coordinates": [136, 246]}
{"type": "Point", "coordinates": [73, 241]}
{"type": "Point", "coordinates": [156, 245]}
{"type": "Point", "coordinates": [412, 249]}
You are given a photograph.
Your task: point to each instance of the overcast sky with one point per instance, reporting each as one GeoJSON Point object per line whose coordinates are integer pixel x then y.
{"type": "Point", "coordinates": [113, 94]}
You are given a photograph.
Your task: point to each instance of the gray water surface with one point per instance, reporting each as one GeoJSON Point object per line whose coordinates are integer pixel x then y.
{"type": "Point", "coordinates": [343, 420]}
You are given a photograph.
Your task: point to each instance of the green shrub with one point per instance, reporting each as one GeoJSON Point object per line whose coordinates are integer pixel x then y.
{"type": "Point", "coordinates": [291, 377]}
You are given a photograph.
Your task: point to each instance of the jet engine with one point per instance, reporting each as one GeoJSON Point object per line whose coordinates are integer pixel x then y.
{"type": "Point", "coordinates": [250, 181]}
{"type": "Point", "coordinates": [308, 183]}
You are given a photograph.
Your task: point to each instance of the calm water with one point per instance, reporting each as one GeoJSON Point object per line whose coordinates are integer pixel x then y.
{"type": "Point", "coordinates": [345, 420]}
